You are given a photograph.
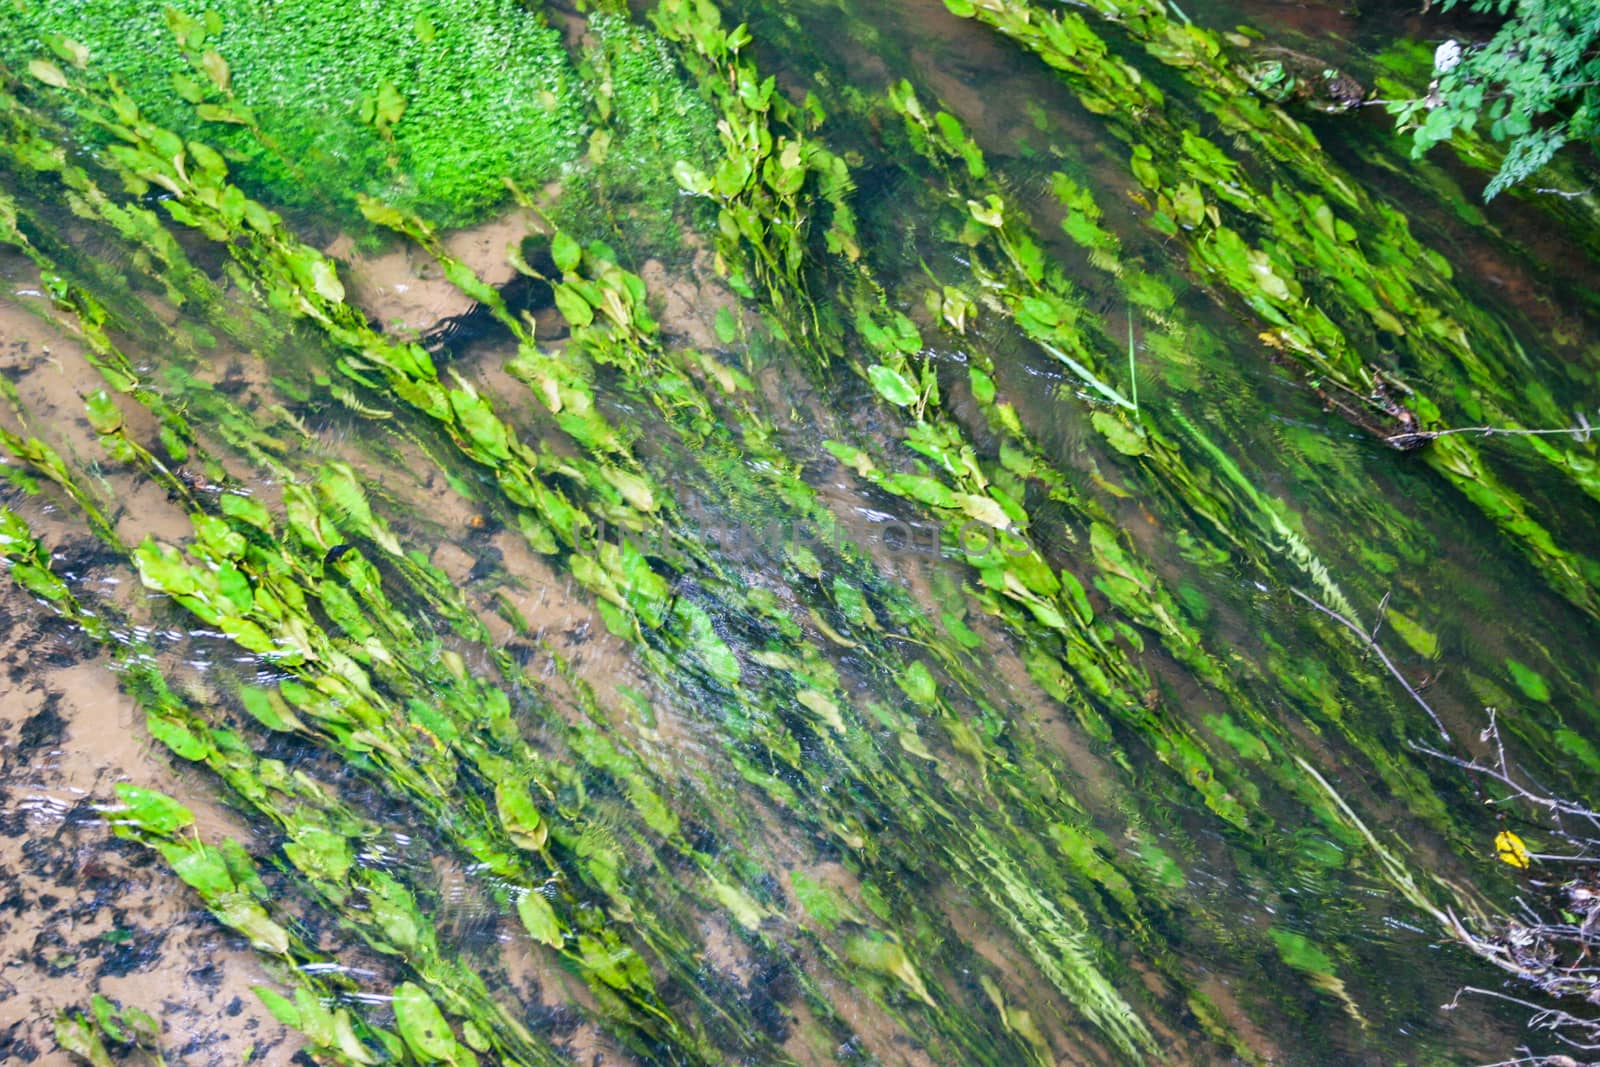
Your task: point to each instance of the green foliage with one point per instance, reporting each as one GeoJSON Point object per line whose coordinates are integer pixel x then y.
{"type": "Point", "coordinates": [1535, 84]}
{"type": "Point", "coordinates": [648, 116]}
{"type": "Point", "coordinates": [428, 104]}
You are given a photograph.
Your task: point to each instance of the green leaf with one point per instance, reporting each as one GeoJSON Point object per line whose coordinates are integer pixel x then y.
{"type": "Point", "coordinates": [889, 959]}
{"type": "Point", "coordinates": [390, 105]}
{"type": "Point", "coordinates": [1129, 440]}
{"type": "Point", "coordinates": [69, 50]}
{"type": "Point", "coordinates": [990, 213]}
{"type": "Point", "coordinates": [921, 487]}
{"type": "Point", "coordinates": [708, 645]}
{"type": "Point", "coordinates": [205, 870]}
{"type": "Point", "coordinates": [918, 684]}
{"type": "Point", "coordinates": [1422, 641]}
{"type": "Point", "coordinates": [819, 901]}
{"type": "Point", "coordinates": [565, 252]}
{"type": "Point", "coordinates": [474, 1037]}
{"type": "Point", "coordinates": [1300, 953]}
{"type": "Point", "coordinates": [320, 853]}
{"type": "Point", "coordinates": [480, 424]}
{"type": "Point", "coordinates": [1530, 681]}
{"type": "Point", "coordinates": [346, 1042]}
{"type": "Point", "coordinates": [325, 280]}
{"type": "Point", "coordinates": [1143, 169]}
{"type": "Point", "coordinates": [153, 812]}
{"type": "Point", "coordinates": [183, 742]}
{"type": "Point", "coordinates": [634, 489]}
{"type": "Point", "coordinates": [216, 69]}
{"type": "Point", "coordinates": [1267, 278]}
{"type": "Point", "coordinates": [818, 704]}
{"type": "Point", "coordinates": [520, 815]}
{"type": "Point", "coordinates": [316, 1021]}
{"type": "Point", "coordinates": [108, 1018]}
{"type": "Point", "coordinates": [738, 904]}
{"type": "Point", "coordinates": [892, 385]}
{"type": "Point", "coordinates": [983, 389]}
{"type": "Point", "coordinates": [984, 510]}
{"type": "Point", "coordinates": [1188, 204]}
{"type": "Point", "coordinates": [574, 308]}
{"type": "Point", "coordinates": [732, 177]}
{"type": "Point", "coordinates": [609, 964]}
{"type": "Point", "coordinates": [104, 415]}
{"type": "Point", "coordinates": [75, 1034]}
{"type": "Point", "coordinates": [690, 179]}
{"type": "Point", "coordinates": [421, 1024]}
{"type": "Point", "coordinates": [163, 570]}
{"type": "Point", "coordinates": [381, 214]}
{"type": "Point", "coordinates": [540, 919]}
{"type": "Point", "coordinates": [395, 912]}
{"type": "Point", "coordinates": [250, 919]}
{"type": "Point", "coordinates": [269, 709]}
{"type": "Point", "coordinates": [220, 113]}
{"type": "Point", "coordinates": [278, 1006]}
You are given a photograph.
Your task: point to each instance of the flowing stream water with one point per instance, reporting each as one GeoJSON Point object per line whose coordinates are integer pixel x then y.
{"type": "Point", "coordinates": [861, 595]}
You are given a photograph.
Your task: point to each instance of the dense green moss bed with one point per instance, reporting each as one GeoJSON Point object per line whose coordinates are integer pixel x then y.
{"type": "Point", "coordinates": [426, 103]}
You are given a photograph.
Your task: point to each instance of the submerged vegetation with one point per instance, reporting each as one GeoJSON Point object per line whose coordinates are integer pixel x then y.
{"type": "Point", "coordinates": [427, 104]}
{"type": "Point", "coordinates": [838, 601]}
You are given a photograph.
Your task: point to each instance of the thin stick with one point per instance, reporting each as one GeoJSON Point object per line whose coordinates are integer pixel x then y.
{"type": "Point", "coordinates": [1382, 613]}
{"type": "Point", "coordinates": [1372, 646]}
{"type": "Point", "coordinates": [1581, 433]}
{"type": "Point", "coordinates": [1502, 775]}
{"type": "Point", "coordinates": [1133, 371]}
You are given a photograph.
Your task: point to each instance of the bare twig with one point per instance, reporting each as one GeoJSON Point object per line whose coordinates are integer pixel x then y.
{"type": "Point", "coordinates": [1383, 615]}
{"type": "Point", "coordinates": [1582, 432]}
{"type": "Point", "coordinates": [1567, 194]}
{"type": "Point", "coordinates": [1372, 646]}
{"type": "Point", "coordinates": [1500, 771]}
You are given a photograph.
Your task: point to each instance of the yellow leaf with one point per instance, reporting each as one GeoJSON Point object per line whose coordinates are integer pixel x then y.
{"type": "Point", "coordinates": [48, 73]}
{"type": "Point", "coordinates": [1509, 847]}
{"type": "Point", "coordinates": [822, 707]}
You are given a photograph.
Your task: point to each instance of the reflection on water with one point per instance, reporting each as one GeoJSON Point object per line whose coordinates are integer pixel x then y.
{"type": "Point", "coordinates": [653, 669]}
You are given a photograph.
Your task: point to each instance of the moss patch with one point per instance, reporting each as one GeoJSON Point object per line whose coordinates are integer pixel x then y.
{"type": "Point", "coordinates": [426, 103]}
{"type": "Point", "coordinates": [650, 117]}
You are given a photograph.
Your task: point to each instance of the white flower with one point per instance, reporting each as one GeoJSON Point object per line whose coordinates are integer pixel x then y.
{"type": "Point", "coordinates": [1447, 56]}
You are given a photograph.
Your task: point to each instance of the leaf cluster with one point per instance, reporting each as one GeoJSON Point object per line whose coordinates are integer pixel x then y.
{"type": "Point", "coordinates": [1535, 85]}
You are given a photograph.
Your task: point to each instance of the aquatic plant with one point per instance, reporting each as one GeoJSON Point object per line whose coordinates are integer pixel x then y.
{"type": "Point", "coordinates": [629, 595]}
{"type": "Point", "coordinates": [648, 118]}
{"type": "Point", "coordinates": [87, 1034]}
{"type": "Point", "coordinates": [164, 566]}
{"type": "Point", "coordinates": [979, 797]}
{"type": "Point", "coordinates": [1357, 283]}
{"type": "Point", "coordinates": [424, 103]}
